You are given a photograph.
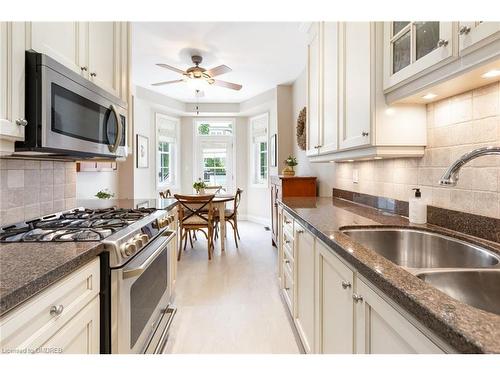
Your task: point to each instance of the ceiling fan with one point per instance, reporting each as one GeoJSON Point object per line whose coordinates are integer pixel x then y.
{"type": "Point", "coordinates": [200, 76]}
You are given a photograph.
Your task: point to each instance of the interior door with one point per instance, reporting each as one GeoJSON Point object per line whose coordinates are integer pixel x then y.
{"type": "Point", "coordinates": [215, 163]}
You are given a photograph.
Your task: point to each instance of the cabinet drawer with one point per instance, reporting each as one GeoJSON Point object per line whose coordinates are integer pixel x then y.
{"type": "Point", "coordinates": [288, 261]}
{"type": "Point", "coordinates": [31, 324]}
{"type": "Point", "coordinates": [288, 289]}
{"type": "Point", "coordinates": [287, 222]}
{"type": "Point", "coordinates": [288, 242]}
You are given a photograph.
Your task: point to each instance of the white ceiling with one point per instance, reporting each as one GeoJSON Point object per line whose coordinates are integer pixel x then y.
{"type": "Point", "coordinates": [261, 54]}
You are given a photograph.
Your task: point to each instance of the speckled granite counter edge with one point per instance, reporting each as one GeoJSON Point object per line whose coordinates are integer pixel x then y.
{"type": "Point", "coordinates": [450, 336]}
{"type": "Point", "coordinates": [17, 296]}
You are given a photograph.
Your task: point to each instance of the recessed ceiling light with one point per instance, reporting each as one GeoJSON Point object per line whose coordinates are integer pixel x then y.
{"type": "Point", "coordinates": [491, 74]}
{"type": "Point", "coordinates": [429, 96]}
{"type": "Point", "coordinates": [350, 160]}
{"type": "Point", "coordinates": [378, 157]}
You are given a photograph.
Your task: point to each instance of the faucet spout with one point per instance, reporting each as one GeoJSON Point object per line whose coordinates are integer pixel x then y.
{"type": "Point", "coordinates": [450, 177]}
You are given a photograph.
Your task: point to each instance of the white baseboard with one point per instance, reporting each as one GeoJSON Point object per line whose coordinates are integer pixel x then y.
{"type": "Point", "coordinates": [255, 219]}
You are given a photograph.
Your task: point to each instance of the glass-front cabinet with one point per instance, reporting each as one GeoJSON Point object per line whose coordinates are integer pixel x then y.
{"type": "Point", "coordinates": [474, 34]}
{"type": "Point", "coordinates": [411, 47]}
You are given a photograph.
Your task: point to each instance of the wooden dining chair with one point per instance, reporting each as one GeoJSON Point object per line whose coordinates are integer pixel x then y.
{"type": "Point", "coordinates": [215, 189]}
{"type": "Point", "coordinates": [165, 194]}
{"type": "Point", "coordinates": [196, 213]}
{"type": "Point", "coordinates": [231, 216]}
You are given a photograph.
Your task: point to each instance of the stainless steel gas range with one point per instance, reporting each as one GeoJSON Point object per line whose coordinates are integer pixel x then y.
{"type": "Point", "coordinates": [136, 310]}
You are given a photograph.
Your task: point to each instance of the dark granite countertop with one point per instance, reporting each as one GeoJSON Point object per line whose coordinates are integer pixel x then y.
{"type": "Point", "coordinates": [464, 328]}
{"type": "Point", "coordinates": [28, 268]}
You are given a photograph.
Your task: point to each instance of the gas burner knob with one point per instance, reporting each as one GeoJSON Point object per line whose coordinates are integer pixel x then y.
{"type": "Point", "coordinates": [144, 238]}
{"type": "Point", "coordinates": [128, 249]}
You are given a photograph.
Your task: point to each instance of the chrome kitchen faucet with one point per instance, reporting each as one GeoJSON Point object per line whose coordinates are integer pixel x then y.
{"type": "Point", "coordinates": [450, 177]}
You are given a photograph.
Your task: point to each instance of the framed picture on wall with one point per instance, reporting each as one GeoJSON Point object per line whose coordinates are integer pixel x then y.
{"type": "Point", "coordinates": [142, 151]}
{"type": "Point", "coordinates": [272, 151]}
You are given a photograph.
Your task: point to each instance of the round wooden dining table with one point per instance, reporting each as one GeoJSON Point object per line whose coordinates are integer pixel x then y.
{"type": "Point", "coordinates": [219, 203]}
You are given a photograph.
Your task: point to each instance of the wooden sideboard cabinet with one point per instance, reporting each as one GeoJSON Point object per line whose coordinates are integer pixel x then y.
{"type": "Point", "coordinates": [284, 187]}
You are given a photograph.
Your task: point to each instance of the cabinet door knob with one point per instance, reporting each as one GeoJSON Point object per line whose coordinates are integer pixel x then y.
{"type": "Point", "coordinates": [287, 261]}
{"type": "Point", "coordinates": [93, 74]}
{"type": "Point", "coordinates": [365, 134]}
{"type": "Point", "coordinates": [21, 122]}
{"type": "Point", "coordinates": [56, 310]}
{"type": "Point", "coordinates": [464, 30]}
{"type": "Point", "coordinates": [357, 298]}
{"type": "Point", "coordinates": [84, 68]}
{"type": "Point", "coordinates": [346, 284]}
{"type": "Point", "coordinates": [442, 43]}
{"type": "Point", "coordinates": [300, 231]}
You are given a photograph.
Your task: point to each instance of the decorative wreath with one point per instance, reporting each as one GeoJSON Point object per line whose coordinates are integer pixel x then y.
{"type": "Point", "coordinates": [301, 129]}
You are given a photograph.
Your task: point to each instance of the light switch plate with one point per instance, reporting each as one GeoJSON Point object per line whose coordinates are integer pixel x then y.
{"type": "Point", "coordinates": [355, 176]}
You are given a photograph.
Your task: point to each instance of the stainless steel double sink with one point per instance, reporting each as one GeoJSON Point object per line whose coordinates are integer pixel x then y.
{"type": "Point", "coordinates": [466, 272]}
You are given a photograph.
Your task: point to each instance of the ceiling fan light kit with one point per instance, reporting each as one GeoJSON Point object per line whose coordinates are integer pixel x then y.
{"type": "Point", "coordinates": [200, 77]}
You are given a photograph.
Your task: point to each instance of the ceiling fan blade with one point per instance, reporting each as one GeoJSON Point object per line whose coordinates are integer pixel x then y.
{"type": "Point", "coordinates": [229, 85]}
{"type": "Point", "coordinates": [217, 71]}
{"type": "Point", "coordinates": [171, 68]}
{"type": "Point", "coordinates": [166, 82]}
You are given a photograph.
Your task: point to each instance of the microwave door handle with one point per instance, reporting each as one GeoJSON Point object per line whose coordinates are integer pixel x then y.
{"type": "Point", "coordinates": [129, 272]}
{"type": "Point", "coordinates": [119, 125]}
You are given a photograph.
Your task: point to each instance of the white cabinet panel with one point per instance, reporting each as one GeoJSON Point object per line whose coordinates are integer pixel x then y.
{"type": "Point", "coordinates": [334, 305]}
{"type": "Point", "coordinates": [313, 90]}
{"type": "Point", "coordinates": [12, 47]}
{"type": "Point", "coordinates": [304, 281]}
{"type": "Point", "coordinates": [80, 335]}
{"type": "Point", "coordinates": [330, 98]}
{"type": "Point", "coordinates": [63, 41]}
{"type": "Point", "coordinates": [357, 81]}
{"type": "Point", "coordinates": [104, 55]}
{"type": "Point", "coordinates": [380, 329]}
{"type": "Point", "coordinates": [473, 35]}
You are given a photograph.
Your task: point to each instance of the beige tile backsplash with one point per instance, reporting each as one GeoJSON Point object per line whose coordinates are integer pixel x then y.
{"type": "Point", "coordinates": [33, 188]}
{"type": "Point", "coordinates": [455, 125]}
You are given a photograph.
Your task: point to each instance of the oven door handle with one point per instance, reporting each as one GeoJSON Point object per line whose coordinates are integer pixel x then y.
{"type": "Point", "coordinates": [119, 125]}
{"type": "Point", "coordinates": [129, 272]}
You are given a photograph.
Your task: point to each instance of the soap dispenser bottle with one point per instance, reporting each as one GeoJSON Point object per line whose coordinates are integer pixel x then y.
{"type": "Point", "coordinates": [418, 208]}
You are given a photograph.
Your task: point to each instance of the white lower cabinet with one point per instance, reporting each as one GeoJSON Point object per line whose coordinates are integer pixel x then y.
{"type": "Point", "coordinates": [80, 335]}
{"type": "Point", "coordinates": [64, 318]}
{"type": "Point", "coordinates": [334, 307]}
{"type": "Point", "coordinates": [304, 281]}
{"type": "Point", "coordinates": [381, 329]}
{"type": "Point", "coordinates": [335, 311]}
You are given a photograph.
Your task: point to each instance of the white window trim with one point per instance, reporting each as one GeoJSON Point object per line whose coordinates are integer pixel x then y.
{"type": "Point", "coordinates": [197, 138]}
{"type": "Point", "coordinates": [253, 184]}
{"type": "Point", "coordinates": [177, 156]}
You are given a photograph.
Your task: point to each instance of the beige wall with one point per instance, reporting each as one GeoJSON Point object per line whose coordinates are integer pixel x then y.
{"type": "Point", "coordinates": [455, 125]}
{"type": "Point", "coordinates": [325, 172]}
{"type": "Point", "coordinates": [33, 188]}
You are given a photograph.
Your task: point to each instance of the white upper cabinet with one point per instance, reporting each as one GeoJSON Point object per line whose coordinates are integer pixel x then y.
{"type": "Point", "coordinates": [473, 35]}
{"type": "Point", "coordinates": [63, 41]}
{"type": "Point", "coordinates": [330, 87]}
{"type": "Point", "coordinates": [411, 48]}
{"type": "Point", "coordinates": [313, 89]}
{"type": "Point", "coordinates": [356, 83]}
{"type": "Point", "coordinates": [12, 119]}
{"type": "Point", "coordinates": [104, 55]}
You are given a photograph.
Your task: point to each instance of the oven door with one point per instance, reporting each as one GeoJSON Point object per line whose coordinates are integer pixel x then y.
{"type": "Point", "coordinates": [140, 296]}
{"type": "Point", "coordinates": [75, 118]}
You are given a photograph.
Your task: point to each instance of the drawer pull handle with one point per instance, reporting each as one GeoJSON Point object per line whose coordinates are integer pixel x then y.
{"type": "Point", "coordinates": [287, 241]}
{"type": "Point", "coordinates": [287, 261]}
{"type": "Point", "coordinates": [442, 43]}
{"type": "Point", "coordinates": [93, 74]}
{"type": "Point", "coordinates": [287, 222]}
{"type": "Point", "coordinates": [464, 30]}
{"type": "Point", "coordinates": [56, 310]}
{"type": "Point", "coordinates": [357, 298]}
{"type": "Point", "coordinates": [287, 288]}
{"type": "Point", "coordinates": [21, 122]}
{"type": "Point", "coordinates": [346, 284]}
{"type": "Point", "coordinates": [300, 231]}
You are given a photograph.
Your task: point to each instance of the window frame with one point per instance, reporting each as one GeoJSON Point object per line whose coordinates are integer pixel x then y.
{"type": "Point", "coordinates": [174, 152]}
{"type": "Point", "coordinates": [255, 152]}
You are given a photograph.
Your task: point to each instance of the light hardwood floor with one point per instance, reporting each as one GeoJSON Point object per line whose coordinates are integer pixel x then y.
{"type": "Point", "coordinates": [232, 303]}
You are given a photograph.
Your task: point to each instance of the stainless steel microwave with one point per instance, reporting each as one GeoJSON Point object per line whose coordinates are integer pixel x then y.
{"type": "Point", "coordinates": [69, 116]}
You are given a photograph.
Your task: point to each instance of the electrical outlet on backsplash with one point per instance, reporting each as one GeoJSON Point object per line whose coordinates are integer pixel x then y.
{"type": "Point", "coordinates": [33, 188]}
{"type": "Point", "coordinates": [456, 125]}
